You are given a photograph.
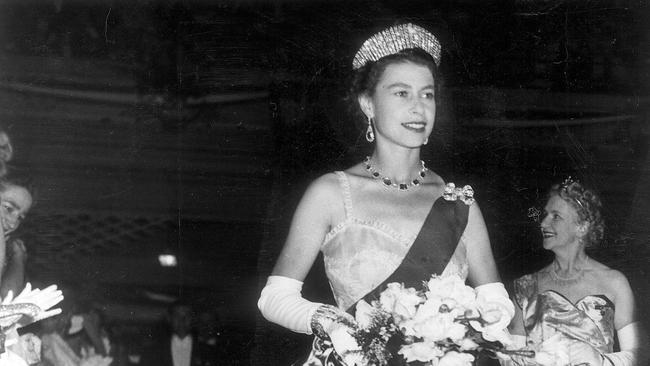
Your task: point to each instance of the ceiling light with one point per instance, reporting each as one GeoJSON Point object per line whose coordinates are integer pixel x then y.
{"type": "Point", "coordinates": [167, 260]}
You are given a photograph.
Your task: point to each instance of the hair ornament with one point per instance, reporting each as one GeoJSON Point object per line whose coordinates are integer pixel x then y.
{"type": "Point", "coordinates": [565, 187]}
{"type": "Point", "coordinates": [567, 182]}
{"type": "Point", "coordinates": [394, 40]}
{"type": "Point", "coordinates": [453, 193]}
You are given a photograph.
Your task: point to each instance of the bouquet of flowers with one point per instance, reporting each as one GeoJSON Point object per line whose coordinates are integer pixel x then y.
{"type": "Point", "coordinates": [445, 323]}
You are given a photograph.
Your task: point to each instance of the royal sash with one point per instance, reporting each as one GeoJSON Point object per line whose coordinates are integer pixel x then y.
{"type": "Point", "coordinates": [432, 249]}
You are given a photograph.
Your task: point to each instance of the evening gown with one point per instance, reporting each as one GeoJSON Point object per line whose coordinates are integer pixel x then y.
{"type": "Point", "coordinates": [590, 319]}
{"type": "Point", "coordinates": [362, 256]}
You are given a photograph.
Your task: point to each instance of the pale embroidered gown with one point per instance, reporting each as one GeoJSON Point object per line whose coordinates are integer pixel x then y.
{"type": "Point", "coordinates": [360, 254]}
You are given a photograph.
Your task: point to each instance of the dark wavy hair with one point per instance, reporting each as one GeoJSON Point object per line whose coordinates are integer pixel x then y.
{"type": "Point", "coordinates": [365, 79]}
{"type": "Point", "coordinates": [6, 152]}
{"type": "Point", "coordinates": [19, 178]}
{"type": "Point", "coordinates": [586, 201]}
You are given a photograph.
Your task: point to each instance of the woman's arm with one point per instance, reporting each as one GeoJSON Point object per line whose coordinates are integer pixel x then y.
{"type": "Point", "coordinates": [281, 300]}
{"type": "Point", "coordinates": [3, 251]}
{"type": "Point", "coordinates": [631, 335]}
{"type": "Point", "coordinates": [14, 276]}
{"type": "Point", "coordinates": [482, 268]}
{"type": "Point", "coordinates": [310, 224]}
{"type": "Point", "coordinates": [490, 292]}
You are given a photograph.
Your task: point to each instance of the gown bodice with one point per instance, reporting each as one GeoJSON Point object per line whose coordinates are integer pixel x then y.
{"type": "Point", "coordinates": [590, 319]}
{"type": "Point", "coordinates": [360, 254]}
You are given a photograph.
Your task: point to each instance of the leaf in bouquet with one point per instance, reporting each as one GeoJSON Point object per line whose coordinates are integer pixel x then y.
{"type": "Point", "coordinates": [374, 339]}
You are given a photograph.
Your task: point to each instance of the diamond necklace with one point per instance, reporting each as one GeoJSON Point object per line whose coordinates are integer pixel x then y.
{"type": "Point", "coordinates": [389, 183]}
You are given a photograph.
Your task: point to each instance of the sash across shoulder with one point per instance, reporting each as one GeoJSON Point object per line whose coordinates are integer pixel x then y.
{"type": "Point", "coordinates": [432, 249]}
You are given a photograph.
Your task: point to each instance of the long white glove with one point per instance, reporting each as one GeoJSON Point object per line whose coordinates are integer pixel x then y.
{"type": "Point", "coordinates": [630, 338]}
{"type": "Point", "coordinates": [622, 358]}
{"type": "Point", "coordinates": [496, 293]}
{"type": "Point", "coordinates": [281, 302]}
{"type": "Point", "coordinates": [581, 352]}
{"type": "Point", "coordinates": [496, 308]}
{"type": "Point", "coordinates": [31, 305]}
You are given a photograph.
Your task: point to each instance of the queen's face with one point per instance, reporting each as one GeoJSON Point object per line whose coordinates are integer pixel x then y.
{"type": "Point", "coordinates": [560, 226]}
{"type": "Point", "coordinates": [403, 105]}
{"type": "Point", "coordinates": [15, 202]}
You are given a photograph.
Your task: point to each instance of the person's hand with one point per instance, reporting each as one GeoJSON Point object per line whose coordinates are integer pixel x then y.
{"type": "Point", "coordinates": [42, 299]}
{"type": "Point", "coordinates": [4, 224]}
{"type": "Point", "coordinates": [554, 351]}
{"type": "Point", "coordinates": [18, 250]}
{"type": "Point", "coordinates": [331, 323]}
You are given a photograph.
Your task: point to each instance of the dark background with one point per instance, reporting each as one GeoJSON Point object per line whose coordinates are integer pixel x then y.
{"type": "Point", "coordinates": [192, 127]}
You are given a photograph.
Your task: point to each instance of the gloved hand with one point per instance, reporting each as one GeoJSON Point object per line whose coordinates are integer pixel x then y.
{"type": "Point", "coordinates": [32, 303]}
{"type": "Point", "coordinates": [331, 323]}
{"type": "Point", "coordinates": [554, 351]}
{"type": "Point", "coordinates": [497, 311]}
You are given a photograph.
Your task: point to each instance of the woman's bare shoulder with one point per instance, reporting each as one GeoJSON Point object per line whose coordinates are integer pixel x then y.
{"type": "Point", "coordinates": [357, 170]}
{"type": "Point", "coordinates": [613, 280]}
{"type": "Point", "coordinates": [325, 187]}
{"type": "Point", "coordinates": [604, 272]}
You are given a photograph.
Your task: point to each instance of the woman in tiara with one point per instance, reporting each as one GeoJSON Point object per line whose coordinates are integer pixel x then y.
{"type": "Point", "coordinates": [577, 303]}
{"type": "Point", "coordinates": [389, 218]}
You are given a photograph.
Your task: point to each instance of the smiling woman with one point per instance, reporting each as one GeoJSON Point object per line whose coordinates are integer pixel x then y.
{"type": "Point", "coordinates": [576, 303]}
{"type": "Point", "coordinates": [15, 203]}
{"type": "Point", "coordinates": [16, 200]}
{"type": "Point", "coordinates": [389, 218]}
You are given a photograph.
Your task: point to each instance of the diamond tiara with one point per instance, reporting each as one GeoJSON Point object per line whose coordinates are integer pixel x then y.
{"type": "Point", "coordinates": [395, 39]}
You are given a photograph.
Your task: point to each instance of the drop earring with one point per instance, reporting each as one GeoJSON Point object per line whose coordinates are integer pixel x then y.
{"type": "Point", "coordinates": [370, 134]}
{"type": "Point", "coordinates": [426, 141]}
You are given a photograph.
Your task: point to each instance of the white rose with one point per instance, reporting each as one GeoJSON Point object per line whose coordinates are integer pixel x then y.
{"type": "Point", "coordinates": [456, 331]}
{"type": "Point", "coordinates": [346, 346]}
{"type": "Point", "coordinates": [496, 319]}
{"type": "Point", "coordinates": [452, 290]}
{"type": "Point", "coordinates": [467, 344]}
{"type": "Point", "coordinates": [454, 358]}
{"type": "Point", "coordinates": [364, 314]}
{"type": "Point", "coordinates": [401, 302]}
{"type": "Point", "coordinates": [438, 327]}
{"type": "Point", "coordinates": [430, 328]}
{"type": "Point", "coordinates": [420, 351]}
{"type": "Point", "coordinates": [388, 297]}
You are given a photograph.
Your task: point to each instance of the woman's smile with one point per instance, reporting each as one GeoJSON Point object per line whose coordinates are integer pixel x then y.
{"type": "Point", "coordinates": [403, 106]}
{"type": "Point", "coordinates": [419, 127]}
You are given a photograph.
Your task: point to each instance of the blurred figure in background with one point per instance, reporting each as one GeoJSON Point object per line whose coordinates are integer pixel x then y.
{"type": "Point", "coordinates": [20, 305]}
{"type": "Point", "coordinates": [211, 344]}
{"type": "Point", "coordinates": [76, 337]}
{"type": "Point", "coordinates": [179, 346]}
{"type": "Point", "coordinates": [15, 202]}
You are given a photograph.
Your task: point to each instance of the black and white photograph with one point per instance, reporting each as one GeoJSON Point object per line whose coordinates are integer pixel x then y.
{"type": "Point", "coordinates": [324, 182]}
